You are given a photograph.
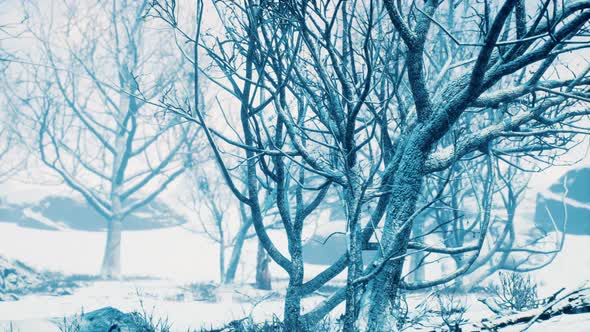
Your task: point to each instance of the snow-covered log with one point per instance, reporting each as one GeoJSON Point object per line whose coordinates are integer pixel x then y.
{"type": "Point", "coordinates": [574, 302]}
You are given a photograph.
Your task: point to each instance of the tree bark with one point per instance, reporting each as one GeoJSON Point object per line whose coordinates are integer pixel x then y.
{"type": "Point", "coordinates": [263, 280]}
{"type": "Point", "coordinates": [234, 260]}
{"type": "Point", "coordinates": [219, 222]}
{"type": "Point", "coordinates": [292, 311]}
{"type": "Point", "coordinates": [221, 259]}
{"type": "Point", "coordinates": [406, 189]}
{"type": "Point", "coordinates": [111, 264]}
{"type": "Point", "coordinates": [355, 264]}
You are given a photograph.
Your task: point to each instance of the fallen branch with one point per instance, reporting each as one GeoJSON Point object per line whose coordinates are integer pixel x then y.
{"type": "Point", "coordinates": [574, 302]}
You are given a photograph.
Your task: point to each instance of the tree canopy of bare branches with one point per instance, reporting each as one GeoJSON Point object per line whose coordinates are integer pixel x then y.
{"type": "Point", "coordinates": [92, 104]}
{"type": "Point", "coordinates": [423, 118]}
{"type": "Point", "coordinates": [370, 99]}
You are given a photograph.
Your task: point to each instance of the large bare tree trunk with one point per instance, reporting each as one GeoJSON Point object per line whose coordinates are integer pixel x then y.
{"type": "Point", "coordinates": [111, 264]}
{"type": "Point", "coordinates": [376, 302]}
{"type": "Point", "coordinates": [354, 249]}
{"type": "Point", "coordinates": [292, 310]}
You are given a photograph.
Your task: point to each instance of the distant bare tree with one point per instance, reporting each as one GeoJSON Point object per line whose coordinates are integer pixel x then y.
{"type": "Point", "coordinates": [98, 126]}
{"type": "Point", "coordinates": [213, 202]}
{"type": "Point", "coordinates": [228, 225]}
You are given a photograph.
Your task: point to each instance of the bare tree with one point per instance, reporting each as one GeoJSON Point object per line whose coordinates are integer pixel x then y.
{"type": "Point", "coordinates": [98, 127]}
{"type": "Point", "coordinates": [218, 222]}
{"type": "Point", "coordinates": [503, 54]}
{"type": "Point", "coordinates": [371, 99]}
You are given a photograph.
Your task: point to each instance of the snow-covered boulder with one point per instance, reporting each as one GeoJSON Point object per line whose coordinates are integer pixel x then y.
{"type": "Point", "coordinates": [566, 205]}
{"type": "Point", "coordinates": [108, 319]}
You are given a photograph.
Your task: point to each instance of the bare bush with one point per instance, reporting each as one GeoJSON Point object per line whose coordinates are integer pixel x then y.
{"type": "Point", "coordinates": [247, 324]}
{"type": "Point", "coordinates": [515, 291]}
{"type": "Point", "coordinates": [451, 310]}
{"type": "Point", "coordinates": [71, 324]}
{"type": "Point", "coordinates": [202, 291]}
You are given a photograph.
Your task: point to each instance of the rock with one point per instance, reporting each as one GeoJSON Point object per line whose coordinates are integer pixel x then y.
{"type": "Point", "coordinates": [8, 297]}
{"type": "Point", "coordinates": [17, 278]}
{"type": "Point", "coordinates": [67, 212]}
{"type": "Point", "coordinates": [110, 319]}
{"type": "Point", "coordinates": [57, 212]}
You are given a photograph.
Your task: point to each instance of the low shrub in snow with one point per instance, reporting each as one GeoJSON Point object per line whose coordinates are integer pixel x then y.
{"type": "Point", "coordinates": [515, 291]}
{"type": "Point", "coordinates": [202, 291]}
{"type": "Point", "coordinates": [451, 310]}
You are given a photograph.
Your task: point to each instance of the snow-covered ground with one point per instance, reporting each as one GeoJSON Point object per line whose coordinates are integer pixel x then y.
{"type": "Point", "coordinates": [160, 297]}
{"type": "Point", "coordinates": [174, 257]}
{"type": "Point", "coordinates": [171, 257]}
{"type": "Point", "coordinates": [175, 252]}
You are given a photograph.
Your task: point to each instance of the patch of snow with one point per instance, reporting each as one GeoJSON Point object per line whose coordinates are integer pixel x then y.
{"type": "Point", "coordinates": [28, 212]}
{"type": "Point", "coordinates": [157, 297]}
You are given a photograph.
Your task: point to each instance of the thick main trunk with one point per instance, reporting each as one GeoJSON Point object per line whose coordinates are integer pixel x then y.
{"type": "Point", "coordinates": [111, 263]}
{"type": "Point", "coordinates": [355, 264]}
{"type": "Point", "coordinates": [383, 289]}
{"type": "Point", "coordinates": [292, 310]}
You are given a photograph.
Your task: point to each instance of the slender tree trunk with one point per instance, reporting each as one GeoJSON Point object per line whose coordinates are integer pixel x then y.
{"type": "Point", "coordinates": [221, 260]}
{"type": "Point", "coordinates": [458, 259]}
{"type": "Point", "coordinates": [417, 259]}
{"type": "Point", "coordinates": [220, 231]}
{"type": "Point", "coordinates": [263, 280]}
{"type": "Point", "coordinates": [111, 264]}
{"type": "Point", "coordinates": [234, 260]}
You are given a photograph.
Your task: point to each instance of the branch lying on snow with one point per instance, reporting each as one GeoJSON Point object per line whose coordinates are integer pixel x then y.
{"type": "Point", "coordinates": [574, 302]}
